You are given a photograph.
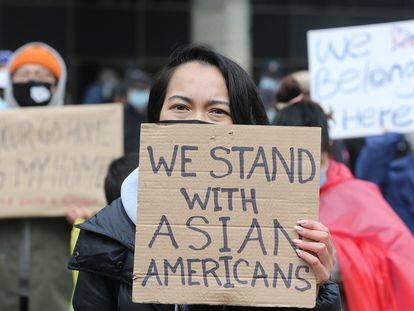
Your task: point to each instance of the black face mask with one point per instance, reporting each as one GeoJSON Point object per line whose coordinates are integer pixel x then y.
{"type": "Point", "coordinates": [184, 122]}
{"type": "Point", "coordinates": [32, 93]}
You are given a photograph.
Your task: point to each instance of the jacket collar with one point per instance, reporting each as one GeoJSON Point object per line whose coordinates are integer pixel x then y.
{"type": "Point", "coordinates": [113, 222]}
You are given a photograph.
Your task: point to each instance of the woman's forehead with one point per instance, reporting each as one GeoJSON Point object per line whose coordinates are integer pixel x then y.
{"type": "Point", "coordinates": [196, 78]}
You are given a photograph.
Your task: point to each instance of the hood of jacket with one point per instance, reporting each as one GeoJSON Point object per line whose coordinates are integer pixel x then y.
{"type": "Point", "coordinates": [129, 195]}
{"type": "Point", "coordinates": [59, 95]}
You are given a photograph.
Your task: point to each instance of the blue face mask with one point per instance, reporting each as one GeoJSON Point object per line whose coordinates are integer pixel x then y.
{"type": "Point", "coordinates": [269, 84]}
{"type": "Point", "coordinates": [322, 178]}
{"type": "Point", "coordinates": [3, 104]}
{"type": "Point", "coordinates": [138, 98]}
{"type": "Point", "coordinates": [271, 114]}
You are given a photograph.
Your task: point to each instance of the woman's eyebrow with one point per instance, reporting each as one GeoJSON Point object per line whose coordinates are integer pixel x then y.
{"type": "Point", "coordinates": [218, 102]}
{"type": "Point", "coordinates": [184, 98]}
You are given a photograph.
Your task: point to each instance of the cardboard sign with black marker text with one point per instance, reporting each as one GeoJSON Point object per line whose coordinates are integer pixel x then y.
{"type": "Point", "coordinates": [216, 210]}
{"type": "Point", "coordinates": [56, 157]}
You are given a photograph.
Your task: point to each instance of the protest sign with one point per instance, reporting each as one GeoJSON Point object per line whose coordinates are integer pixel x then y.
{"type": "Point", "coordinates": [216, 210]}
{"type": "Point", "coordinates": [53, 158]}
{"type": "Point", "coordinates": [364, 75]}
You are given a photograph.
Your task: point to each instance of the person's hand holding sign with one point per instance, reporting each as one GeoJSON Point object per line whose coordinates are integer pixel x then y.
{"type": "Point", "coordinates": [319, 253]}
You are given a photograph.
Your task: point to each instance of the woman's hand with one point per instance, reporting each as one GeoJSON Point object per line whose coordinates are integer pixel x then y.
{"type": "Point", "coordinates": [73, 212]}
{"type": "Point", "coordinates": [319, 253]}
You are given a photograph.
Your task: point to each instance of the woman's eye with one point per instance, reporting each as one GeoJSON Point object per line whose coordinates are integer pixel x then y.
{"type": "Point", "coordinates": [180, 107]}
{"type": "Point", "coordinates": [218, 111]}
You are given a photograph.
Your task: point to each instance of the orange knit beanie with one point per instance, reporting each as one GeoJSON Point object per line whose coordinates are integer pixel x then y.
{"type": "Point", "coordinates": [37, 54]}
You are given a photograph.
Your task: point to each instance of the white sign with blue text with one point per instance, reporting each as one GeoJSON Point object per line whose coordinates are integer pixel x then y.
{"type": "Point", "coordinates": [364, 76]}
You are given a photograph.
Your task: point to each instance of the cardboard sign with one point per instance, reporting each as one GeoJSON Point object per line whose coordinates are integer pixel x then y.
{"type": "Point", "coordinates": [216, 210]}
{"type": "Point", "coordinates": [365, 76]}
{"type": "Point", "coordinates": [52, 158]}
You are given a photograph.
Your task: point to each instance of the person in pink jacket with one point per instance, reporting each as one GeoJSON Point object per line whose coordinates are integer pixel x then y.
{"type": "Point", "coordinates": [374, 247]}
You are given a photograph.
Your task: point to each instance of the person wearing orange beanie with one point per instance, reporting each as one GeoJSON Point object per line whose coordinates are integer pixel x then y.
{"type": "Point", "coordinates": [37, 77]}
{"type": "Point", "coordinates": [34, 251]}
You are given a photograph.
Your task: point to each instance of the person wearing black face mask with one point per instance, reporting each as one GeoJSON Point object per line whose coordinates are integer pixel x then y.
{"type": "Point", "coordinates": [34, 251]}
{"type": "Point", "coordinates": [32, 93]}
{"type": "Point", "coordinates": [37, 77]}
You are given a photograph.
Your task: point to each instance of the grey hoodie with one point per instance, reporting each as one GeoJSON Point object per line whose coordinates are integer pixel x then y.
{"type": "Point", "coordinates": [59, 95]}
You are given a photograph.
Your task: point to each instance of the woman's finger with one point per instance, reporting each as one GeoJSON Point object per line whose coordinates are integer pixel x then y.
{"type": "Point", "coordinates": [319, 249]}
{"type": "Point", "coordinates": [85, 213]}
{"type": "Point", "coordinates": [317, 236]}
{"type": "Point", "coordinates": [312, 224]}
{"type": "Point", "coordinates": [321, 273]}
{"type": "Point", "coordinates": [70, 215]}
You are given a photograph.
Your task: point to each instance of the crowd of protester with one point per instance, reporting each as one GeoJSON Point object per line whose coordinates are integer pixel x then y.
{"type": "Point", "coordinates": [366, 187]}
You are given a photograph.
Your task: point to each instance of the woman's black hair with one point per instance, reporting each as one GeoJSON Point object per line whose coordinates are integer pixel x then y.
{"type": "Point", "coordinates": [246, 106]}
{"type": "Point", "coordinates": [303, 112]}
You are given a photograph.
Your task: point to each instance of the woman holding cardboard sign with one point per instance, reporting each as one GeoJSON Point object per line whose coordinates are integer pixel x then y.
{"type": "Point", "coordinates": [197, 86]}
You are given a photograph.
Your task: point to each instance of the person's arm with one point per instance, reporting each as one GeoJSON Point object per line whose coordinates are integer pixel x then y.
{"type": "Point", "coordinates": [328, 298]}
{"type": "Point", "coordinates": [374, 159]}
{"type": "Point", "coordinates": [95, 292]}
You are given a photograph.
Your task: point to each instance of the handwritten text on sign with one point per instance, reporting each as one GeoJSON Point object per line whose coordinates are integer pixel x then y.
{"type": "Point", "coordinates": [216, 210]}
{"type": "Point", "coordinates": [52, 158]}
{"type": "Point", "coordinates": [365, 76]}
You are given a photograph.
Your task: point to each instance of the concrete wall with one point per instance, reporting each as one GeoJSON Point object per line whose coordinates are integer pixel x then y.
{"type": "Point", "coordinates": [224, 25]}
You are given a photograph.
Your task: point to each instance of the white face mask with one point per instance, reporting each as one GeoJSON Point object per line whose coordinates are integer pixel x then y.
{"type": "Point", "coordinates": [40, 94]}
{"type": "Point", "coordinates": [138, 98]}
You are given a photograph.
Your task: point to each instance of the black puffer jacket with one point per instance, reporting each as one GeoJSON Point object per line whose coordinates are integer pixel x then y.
{"type": "Point", "coordinates": [104, 256]}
